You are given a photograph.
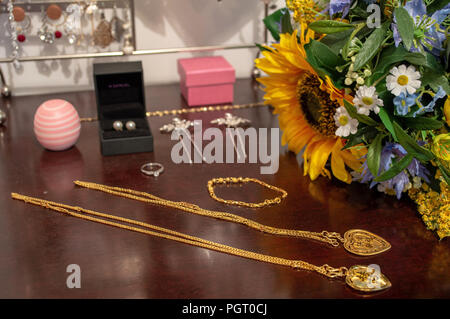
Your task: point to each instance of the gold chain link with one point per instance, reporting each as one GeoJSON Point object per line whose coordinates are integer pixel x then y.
{"type": "Point", "coordinates": [324, 236]}
{"type": "Point", "coordinates": [161, 232]}
{"type": "Point", "coordinates": [240, 180]}
{"type": "Point", "coordinates": [210, 108]}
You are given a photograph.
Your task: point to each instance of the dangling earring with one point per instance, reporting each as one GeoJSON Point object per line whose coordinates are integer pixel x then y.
{"type": "Point", "coordinates": [44, 34]}
{"type": "Point", "coordinates": [127, 47]}
{"type": "Point", "coordinates": [48, 32]}
{"type": "Point", "coordinates": [117, 26]}
{"type": "Point", "coordinates": [73, 23]}
{"type": "Point", "coordinates": [56, 18]}
{"type": "Point", "coordinates": [90, 10]}
{"type": "Point", "coordinates": [23, 23]}
{"type": "Point", "coordinates": [13, 33]}
{"type": "Point", "coordinates": [102, 34]}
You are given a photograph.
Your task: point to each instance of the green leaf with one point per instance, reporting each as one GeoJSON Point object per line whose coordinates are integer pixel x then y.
{"type": "Point", "coordinates": [434, 182]}
{"type": "Point", "coordinates": [360, 117]}
{"type": "Point", "coordinates": [436, 5]}
{"type": "Point", "coordinates": [395, 169]}
{"type": "Point", "coordinates": [393, 55]}
{"type": "Point", "coordinates": [387, 121]}
{"type": "Point", "coordinates": [445, 173]}
{"type": "Point", "coordinates": [363, 134]}
{"type": "Point", "coordinates": [405, 25]}
{"type": "Point", "coordinates": [336, 41]}
{"type": "Point", "coordinates": [374, 155]}
{"type": "Point", "coordinates": [388, 57]}
{"type": "Point", "coordinates": [435, 81]}
{"type": "Point", "coordinates": [324, 55]}
{"type": "Point", "coordinates": [346, 47]}
{"type": "Point", "coordinates": [371, 47]}
{"type": "Point", "coordinates": [324, 61]}
{"type": "Point", "coordinates": [329, 26]}
{"type": "Point", "coordinates": [447, 54]}
{"type": "Point", "coordinates": [416, 58]}
{"type": "Point", "coordinates": [353, 140]}
{"type": "Point", "coordinates": [272, 23]}
{"type": "Point", "coordinates": [286, 26]}
{"type": "Point", "coordinates": [420, 123]}
{"type": "Point", "coordinates": [411, 146]}
{"type": "Point", "coordinates": [431, 63]}
{"type": "Point", "coordinates": [261, 47]}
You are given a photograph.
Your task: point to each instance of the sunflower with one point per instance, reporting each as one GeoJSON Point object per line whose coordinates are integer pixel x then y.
{"type": "Point", "coordinates": [306, 105]}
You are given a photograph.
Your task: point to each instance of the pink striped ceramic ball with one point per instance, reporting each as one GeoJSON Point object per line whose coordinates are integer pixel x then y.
{"type": "Point", "coordinates": [56, 125]}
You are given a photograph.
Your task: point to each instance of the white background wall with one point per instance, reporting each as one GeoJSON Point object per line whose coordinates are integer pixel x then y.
{"type": "Point", "coordinates": [159, 24]}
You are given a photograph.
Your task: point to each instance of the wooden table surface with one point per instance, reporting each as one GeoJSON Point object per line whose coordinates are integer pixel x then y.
{"type": "Point", "coordinates": [36, 245]}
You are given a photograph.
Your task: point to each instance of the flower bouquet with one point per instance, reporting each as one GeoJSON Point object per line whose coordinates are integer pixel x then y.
{"type": "Point", "coordinates": [361, 87]}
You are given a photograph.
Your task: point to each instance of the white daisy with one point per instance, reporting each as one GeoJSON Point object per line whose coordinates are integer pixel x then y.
{"type": "Point", "coordinates": [403, 80]}
{"type": "Point", "coordinates": [367, 100]}
{"type": "Point", "coordinates": [346, 125]}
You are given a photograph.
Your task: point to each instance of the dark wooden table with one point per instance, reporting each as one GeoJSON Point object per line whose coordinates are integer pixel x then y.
{"type": "Point", "coordinates": [36, 245]}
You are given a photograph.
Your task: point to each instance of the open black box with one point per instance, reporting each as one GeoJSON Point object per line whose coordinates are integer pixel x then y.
{"type": "Point", "coordinates": [119, 90]}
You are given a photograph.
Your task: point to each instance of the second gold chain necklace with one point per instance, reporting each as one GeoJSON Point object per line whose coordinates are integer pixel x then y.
{"type": "Point", "coordinates": [356, 241]}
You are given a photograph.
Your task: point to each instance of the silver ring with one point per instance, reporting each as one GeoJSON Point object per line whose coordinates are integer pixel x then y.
{"type": "Point", "coordinates": [148, 169]}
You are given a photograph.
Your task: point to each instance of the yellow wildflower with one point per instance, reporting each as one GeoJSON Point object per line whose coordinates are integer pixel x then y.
{"type": "Point", "coordinates": [447, 110]}
{"type": "Point", "coordinates": [434, 208]}
{"type": "Point", "coordinates": [441, 146]}
{"type": "Point", "coordinates": [305, 11]}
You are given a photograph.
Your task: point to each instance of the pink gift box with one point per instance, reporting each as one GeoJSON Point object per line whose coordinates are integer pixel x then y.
{"type": "Point", "coordinates": [206, 80]}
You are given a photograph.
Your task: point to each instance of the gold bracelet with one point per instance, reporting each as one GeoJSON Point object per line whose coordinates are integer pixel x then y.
{"type": "Point", "coordinates": [240, 180]}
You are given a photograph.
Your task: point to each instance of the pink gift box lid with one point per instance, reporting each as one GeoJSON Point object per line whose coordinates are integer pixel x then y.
{"type": "Point", "coordinates": [205, 71]}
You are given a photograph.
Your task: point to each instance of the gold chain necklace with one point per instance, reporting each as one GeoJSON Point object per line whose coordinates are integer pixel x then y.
{"type": "Point", "coordinates": [364, 278]}
{"type": "Point", "coordinates": [240, 180]}
{"type": "Point", "coordinates": [356, 241]}
{"type": "Point", "coordinates": [210, 108]}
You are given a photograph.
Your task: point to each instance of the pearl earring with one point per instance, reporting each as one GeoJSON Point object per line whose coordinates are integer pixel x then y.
{"type": "Point", "coordinates": [118, 125]}
{"type": "Point", "coordinates": [130, 125]}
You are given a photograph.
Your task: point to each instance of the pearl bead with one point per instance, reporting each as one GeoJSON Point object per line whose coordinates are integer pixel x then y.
{"type": "Point", "coordinates": [130, 125]}
{"type": "Point", "coordinates": [128, 50]}
{"type": "Point", "coordinates": [118, 125]}
{"type": "Point", "coordinates": [2, 117]}
{"type": "Point", "coordinates": [5, 91]}
{"type": "Point", "coordinates": [72, 38]}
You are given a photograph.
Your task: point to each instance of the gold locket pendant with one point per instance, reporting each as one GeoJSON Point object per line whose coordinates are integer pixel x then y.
{"type": "Point", "coordinates": [364, 243]}
{"type": "Point", "coordinates": [367, 278]}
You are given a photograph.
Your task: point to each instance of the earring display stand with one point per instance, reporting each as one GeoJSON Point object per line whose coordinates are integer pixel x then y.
{"type": "Point", "coordinates": [78, 20]}
{"type": "Point", "coordinates": [109, 4]}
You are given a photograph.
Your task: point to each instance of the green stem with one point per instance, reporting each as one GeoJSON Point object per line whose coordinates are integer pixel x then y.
{"type": "Point", "coordinates": [379, 80]}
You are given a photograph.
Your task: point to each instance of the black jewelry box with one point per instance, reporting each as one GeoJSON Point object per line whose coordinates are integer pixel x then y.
{"type": "Point", "coordinates": [119, 91]}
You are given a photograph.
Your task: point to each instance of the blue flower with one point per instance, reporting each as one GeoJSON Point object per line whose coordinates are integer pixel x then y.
{"type": "Point", "coordinates": [397, 184]}
{"type": "Point", "coordinates": [403, 103]}
{"type": "Point", "coordinates": [426, 34]}
{"type": "Point", "coordinates": [337, 6]}
{"type": "Point", "coordinates": [430, 106]}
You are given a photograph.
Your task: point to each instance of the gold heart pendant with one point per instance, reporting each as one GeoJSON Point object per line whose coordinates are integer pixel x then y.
{"type": "Point", "coordinates": [367, 278]}
{"type": "Point", "coordinates": [364, 243]}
